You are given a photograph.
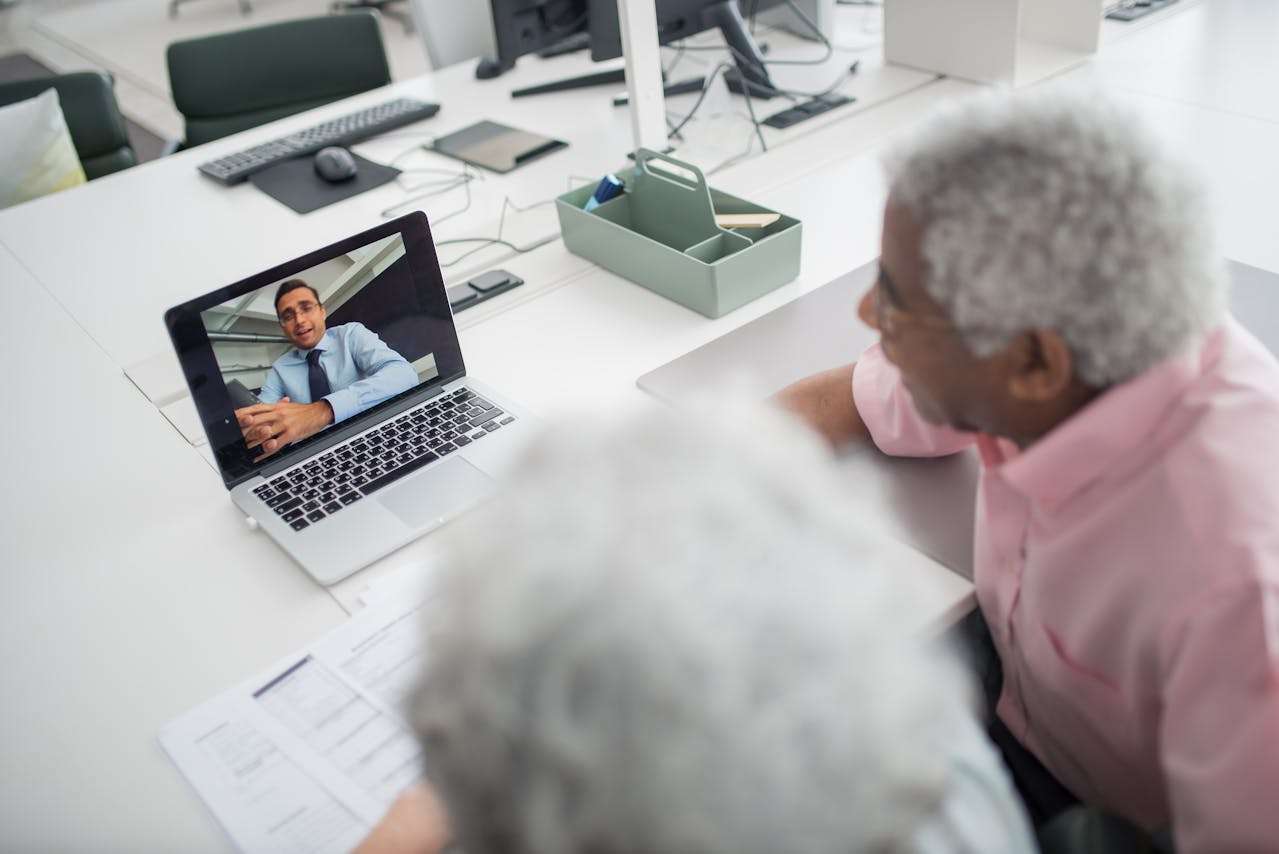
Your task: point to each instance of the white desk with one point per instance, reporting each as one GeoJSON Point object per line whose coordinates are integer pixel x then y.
{"type": "Point", "coordinates": [133, 590]}
{"type": "Point", "coordinates": [140, 591]}
{"type": "Point", "coordinates": [130, 591]}
{"type": "Point", "coordinates": [123, 249]}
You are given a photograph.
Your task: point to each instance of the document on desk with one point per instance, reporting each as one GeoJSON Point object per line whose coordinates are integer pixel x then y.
{"type": "Point", "coordinates": [310, 754]}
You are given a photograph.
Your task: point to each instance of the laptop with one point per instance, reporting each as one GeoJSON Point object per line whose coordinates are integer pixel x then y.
{"type": "Point", "coordinates": [404, 440]}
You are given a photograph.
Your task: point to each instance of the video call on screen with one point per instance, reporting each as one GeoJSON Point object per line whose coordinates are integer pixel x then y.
{"type": "Point", "coordinates": [372, 286]}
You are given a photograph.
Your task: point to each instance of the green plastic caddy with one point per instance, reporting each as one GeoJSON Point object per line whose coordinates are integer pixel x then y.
{"type": "Point", "coordinates": [661, 234]}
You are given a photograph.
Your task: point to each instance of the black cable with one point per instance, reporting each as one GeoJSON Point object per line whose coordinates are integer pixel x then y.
{"type": "Point", "coordinates": [791, 93]}
{"type": "Point", "coordinates": [710, 79]}
{"type": "Point", "coordinates": [746, 84]}
{"type": "Point", "coordinates": [750, 107]}
{"type": "Point", "coordinates": [742, 59]}
{"type": "Point", "coordinates": [679, 54]}
{"type": "Point", "coordinates": [817, 33]}
{"type": "Point", "coordinates": [808, 22]}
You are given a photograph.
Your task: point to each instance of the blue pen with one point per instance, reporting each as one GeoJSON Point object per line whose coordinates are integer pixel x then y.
{"type": "Point", "coordinates": [610, 187]}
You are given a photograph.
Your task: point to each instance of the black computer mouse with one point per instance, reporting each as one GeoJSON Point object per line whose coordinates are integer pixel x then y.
{"type": "Point", "coordinates": [335, 164]}
{"type": "Point", "coordinates": [488, 68]}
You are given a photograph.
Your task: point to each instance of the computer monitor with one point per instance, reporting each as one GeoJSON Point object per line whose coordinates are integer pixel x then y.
{"type": "Point", "coordinates": [551, 27]}
{"type": "Point", "coordinates": [526, 26]}
{"type": "Point", "coordinates": [679, 19]}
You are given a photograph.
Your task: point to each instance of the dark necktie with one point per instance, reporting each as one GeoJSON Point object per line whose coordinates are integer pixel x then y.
{"type": "Point", "coordinates": [315, 376]}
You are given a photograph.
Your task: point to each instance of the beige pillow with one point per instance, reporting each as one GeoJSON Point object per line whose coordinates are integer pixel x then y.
{"type": "Point", "coordinates": [36, 149]}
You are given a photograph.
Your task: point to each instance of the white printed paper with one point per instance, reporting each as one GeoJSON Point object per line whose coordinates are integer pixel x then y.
{"type": "Point", "coordinates": [308, 756]}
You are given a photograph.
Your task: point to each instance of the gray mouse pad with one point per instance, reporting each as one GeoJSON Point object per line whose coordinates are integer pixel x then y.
{"type": "Point", "coordinates": [295, 184]}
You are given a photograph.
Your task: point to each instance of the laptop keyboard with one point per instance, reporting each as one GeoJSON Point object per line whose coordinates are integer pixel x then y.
{"type": "Point", "coordinates": [355, 469]}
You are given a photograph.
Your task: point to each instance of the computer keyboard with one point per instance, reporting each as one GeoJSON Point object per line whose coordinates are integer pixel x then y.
{"type": "Point", "coordinates": [357, 468]}
{"type": "Point", "coordinates": [345, 130]}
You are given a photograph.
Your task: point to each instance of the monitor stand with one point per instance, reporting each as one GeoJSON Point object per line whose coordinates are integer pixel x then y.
{"type": "Point", "coordinates": [490, 66]}
{"type": "Point", "coordinates": [598, 78]}
{"type": "Point", "coordinates": [751, 75]}
{"type": "Point", "coordinates": [739, 85]}
{"type": "Point", "coordinates": [577, 42]}
{"type": "Point", "coordinates": [616, 76]}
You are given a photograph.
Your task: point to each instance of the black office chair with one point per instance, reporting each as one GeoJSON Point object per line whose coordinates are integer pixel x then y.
{"type": "Point", "coordinates": [93, 118]}
{"type": "Point", "coordinates": [231, 82]}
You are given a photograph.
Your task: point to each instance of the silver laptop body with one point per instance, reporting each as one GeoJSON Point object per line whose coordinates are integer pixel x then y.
{"type": "Point", "coordinates": [392, 471]}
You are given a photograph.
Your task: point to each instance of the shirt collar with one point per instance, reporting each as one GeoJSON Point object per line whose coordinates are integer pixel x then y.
{"type": "Point", "coordinates": [1097, 438]}
{"type": "Point", "coordinates": [299, 354]}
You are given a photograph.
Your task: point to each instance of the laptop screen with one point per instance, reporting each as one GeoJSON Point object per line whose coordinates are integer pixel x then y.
{"type": "Point", "coordinates": [318, 348]}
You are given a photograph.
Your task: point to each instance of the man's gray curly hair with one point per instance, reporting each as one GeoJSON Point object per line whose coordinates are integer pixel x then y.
{"type": "Point", "coordinates": [1057, 209]}
{"type": "Point", "coordinates": [673, 638]}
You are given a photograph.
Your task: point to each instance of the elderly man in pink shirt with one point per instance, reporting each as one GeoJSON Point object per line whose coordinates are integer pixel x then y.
{"type": "Point", "coordinates": [1050, 294]}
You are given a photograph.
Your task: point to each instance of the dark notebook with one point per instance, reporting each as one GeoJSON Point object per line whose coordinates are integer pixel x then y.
{"type": "Point", "coordinates": [496, 147]}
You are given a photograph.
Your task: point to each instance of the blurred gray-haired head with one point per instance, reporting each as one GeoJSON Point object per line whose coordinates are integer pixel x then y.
{"type": "Point", "coordinates": [1056, 208]}
{"type": "Point", "coordinates": [672, 636]}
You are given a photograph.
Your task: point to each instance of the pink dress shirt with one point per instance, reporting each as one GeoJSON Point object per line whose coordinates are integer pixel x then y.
{"type": "Point", "coordinates": [1127, 564]}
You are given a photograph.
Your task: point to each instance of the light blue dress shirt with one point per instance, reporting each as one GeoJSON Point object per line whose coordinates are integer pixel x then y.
{"type": "Point", "coordinates": [362, 372]}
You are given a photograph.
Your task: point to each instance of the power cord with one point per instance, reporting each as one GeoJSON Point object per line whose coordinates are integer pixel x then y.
{"type": "Point", "coordinates": [808, 23]}
{"type": "Point", "coordinates": [679, 54]}
{"type": "Point", "coordinates": [793, 94]}
{"type": "Point", "coordinates": [499, 240]}
{"type": "Point", "coordinates": [457, 179]}
{"type": "Point", "coordinates": [756, 131]}
{"type": "Point", "coordinates": [486, 242]}
{"type": "Point", "coordinates": [706, 87]}
{"type": "Point", "coordinates": [812, 27]}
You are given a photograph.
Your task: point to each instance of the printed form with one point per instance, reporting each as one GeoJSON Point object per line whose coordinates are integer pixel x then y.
{"type": "Point", "coordinates": [309, 756]}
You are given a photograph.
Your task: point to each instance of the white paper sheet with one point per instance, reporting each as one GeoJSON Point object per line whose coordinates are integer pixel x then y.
{"type": "Point", "coordinates": [309, 755]}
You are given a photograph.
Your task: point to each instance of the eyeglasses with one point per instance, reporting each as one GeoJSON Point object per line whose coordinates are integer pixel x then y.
{"type": "Point", "coordinates": [890, 318]}
{"type": "Point", "coordinates": [289, 314]}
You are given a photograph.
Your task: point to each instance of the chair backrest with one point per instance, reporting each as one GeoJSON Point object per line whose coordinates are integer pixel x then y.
{"type": "Point", "coordinates": [450, 36]}
{"type": "Point", "coordinates": [93, 118]}
{"type": "Point", "coordinates": [227, 83]}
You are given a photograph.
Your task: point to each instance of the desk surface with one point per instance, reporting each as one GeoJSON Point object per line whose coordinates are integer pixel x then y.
{"type": "Point", "coordinates": [134, 590]}
{"type": "Point", "coordinates": [123, 249]}
{"type": "Point", "coordinates": [129, 592]}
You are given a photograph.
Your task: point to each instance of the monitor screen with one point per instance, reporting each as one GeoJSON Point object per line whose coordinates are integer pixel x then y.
{"type": "Point", "coordinates": [317, 348]}
{"type": "Point", "coordinates": [676, 19]}
{"type": "Point", "coordinates": [523, 26]}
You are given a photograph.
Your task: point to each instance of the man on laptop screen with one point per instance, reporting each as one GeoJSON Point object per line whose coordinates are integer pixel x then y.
{"type": "Point", "coordinates": [336, 401]}
{"type": "Point", "coordinates": [328, 376]}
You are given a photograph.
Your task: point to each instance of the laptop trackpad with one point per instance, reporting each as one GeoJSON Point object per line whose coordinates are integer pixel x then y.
{"type": "Point", "coordinates": [444, 490]}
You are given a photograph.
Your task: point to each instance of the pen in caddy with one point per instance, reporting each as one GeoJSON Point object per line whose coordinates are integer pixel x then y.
{"type": "Point", "coordinates": [610, 187]}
